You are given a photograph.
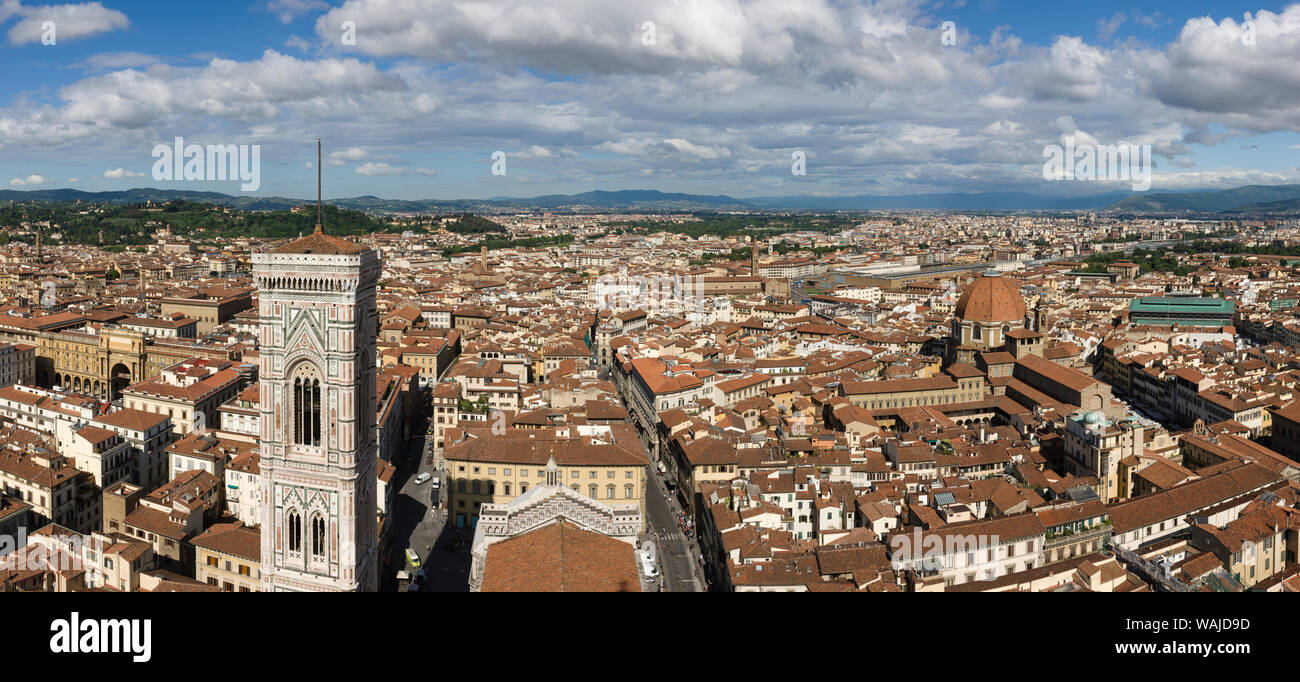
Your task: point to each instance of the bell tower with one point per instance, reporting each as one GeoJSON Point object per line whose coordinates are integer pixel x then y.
{"type": "Point", "coordinates": [316, 300]}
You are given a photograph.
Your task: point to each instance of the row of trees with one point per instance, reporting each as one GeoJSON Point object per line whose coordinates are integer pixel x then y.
{"type": "Point", "coordinates": [136, 224]}
{"type": "Point", "coordinates": [494, 244]}
{"type": "Point", "coordinates": [1165, 258]}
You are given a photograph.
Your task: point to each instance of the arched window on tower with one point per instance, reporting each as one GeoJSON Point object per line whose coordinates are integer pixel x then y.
{"type": "Point", "coordinates": [307, 406]}
{"type": "Point", "coordinates": [318, 536]}
{"type": "Point", "coordinates": [294, 530]}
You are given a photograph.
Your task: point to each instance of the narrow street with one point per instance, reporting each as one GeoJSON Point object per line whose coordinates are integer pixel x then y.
{"type": "Point", "coordinates": [677, 556]}
{"type": "Point", "coordinates": [443, 550]}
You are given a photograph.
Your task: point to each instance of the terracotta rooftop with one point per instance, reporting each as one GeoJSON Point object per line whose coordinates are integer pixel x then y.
{"type": "Point", "coordinates": [991, 298]}
{"type": "Point", "coordinates": [561, 558]}
{"type": "Point", "coordinates": [320, 243]}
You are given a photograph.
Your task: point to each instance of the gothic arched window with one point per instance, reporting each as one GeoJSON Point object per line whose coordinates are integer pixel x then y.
{"type": "Point", "coordinates": [318, 536]}
{"type": "Point", "coordinates": [307, 405]}
{"type": "Point", "coordinates": [294, 531]}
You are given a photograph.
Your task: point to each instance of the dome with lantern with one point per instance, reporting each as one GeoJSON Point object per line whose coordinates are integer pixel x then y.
{"type": "Point", "coordinates": [989, 307]}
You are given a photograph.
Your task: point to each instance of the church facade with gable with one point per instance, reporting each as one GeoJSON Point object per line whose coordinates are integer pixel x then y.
{"type": "Point", "coordinates": [543, 506]}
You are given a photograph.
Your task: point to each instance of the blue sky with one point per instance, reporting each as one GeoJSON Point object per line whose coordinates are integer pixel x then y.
{"type": "Point", "coordinates": [703, 96]}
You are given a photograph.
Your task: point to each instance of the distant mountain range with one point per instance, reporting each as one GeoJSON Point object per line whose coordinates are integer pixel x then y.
{"type": "Point", "coordinates": [1247, 200]}
{"type": "Point", "coordinates": [1239, 201]}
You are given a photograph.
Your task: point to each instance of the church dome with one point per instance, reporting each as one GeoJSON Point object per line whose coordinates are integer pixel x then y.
{"type": "Point", "coordinates": [990, 299]}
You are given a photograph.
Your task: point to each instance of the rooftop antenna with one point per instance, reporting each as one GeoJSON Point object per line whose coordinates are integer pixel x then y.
{"type": "Point", "coordinates": [319, 228]}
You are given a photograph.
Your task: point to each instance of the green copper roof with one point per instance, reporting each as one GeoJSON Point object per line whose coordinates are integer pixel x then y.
{"type": "Point", "coordinates": [1154, 306]}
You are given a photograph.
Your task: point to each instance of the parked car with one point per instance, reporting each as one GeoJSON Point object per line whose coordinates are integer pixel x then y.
{"type": "Point", "coordinates": [423, 478]}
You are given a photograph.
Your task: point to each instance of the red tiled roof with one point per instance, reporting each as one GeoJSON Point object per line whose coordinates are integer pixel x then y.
{"type": "Point", "coordinates": [991, 298]}
{"type": "Point", "coordinates": [561, 558]}
{"type": "Point", "coordinates": [320, 243]}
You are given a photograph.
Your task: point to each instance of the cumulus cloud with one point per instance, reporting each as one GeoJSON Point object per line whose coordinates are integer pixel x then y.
{"type": "Point", "coordinates": [1220, 72]}
{"type": "Point", "coordinates": [671, 148]}
{"type": "Point", "coordinates": [720, 98]}
{"type": "Point", "coordinates": [1072, 70]}
{"type": "Point", "coordinates": [534, 152]}
{"type": "Point", "coordinates": [336, 159]}
{"type": "Point", "coordinates": [385, 169]}
{"type": "Point", "coordinates": [120, 173]}
{"type": "Point", "coordinates": [819, 40]}
{"type": "Point", "coordinates": [28, 181]}
{"type": "Point", "coordinates": [537, 152]}
{"type": "Point", "coordinates": [253, 91]}
{"type": "Point", "coordinates": [297, 43]}
{"type": "Point", "coordinates": [71, 21]}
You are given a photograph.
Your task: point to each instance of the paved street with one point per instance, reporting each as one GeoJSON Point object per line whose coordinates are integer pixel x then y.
{"type": "Point", "coordinates": [677, 557]}
{"type": "Point", "coordinates": [446, 565]}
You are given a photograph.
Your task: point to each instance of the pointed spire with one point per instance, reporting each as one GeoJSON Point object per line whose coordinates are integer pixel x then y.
{"type": "Point", "coordinates": [320, 229]}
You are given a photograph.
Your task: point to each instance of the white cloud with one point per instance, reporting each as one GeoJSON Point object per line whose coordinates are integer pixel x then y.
{"type": "Point", "coordinates": [1071, 70]}
{"type": "Point", "coordinates": [730, 89]}
{"type": "Point", "coordinates": [70, 21]}
{"type": "Point", "coordinates": [1106, 28]}
{"type": "Point", "coordinates": [1212, 72]}
{"type": "Point", "coordinates": [537, 152]}
{"type": "Point", "coordinates": [336, 159]}
{"type": "Point", "coordinates": [385, 169]}
{"type": "Point", "coordinates": [253, 92]}
{"type": "Point", "coordinates": [120, 173]}
{"type": "Point", "coordinates": [30, 180]}
{"type": "Point", "coordinates": [673, 148]}
{"type": "Point", "coordinates": [813, 40]}
{"type": "Point", "coordinates": [120, 60]}
{"type": "Point", "coordinates": [287, 10]}
{"type": "Point", "coordinates": [297, 43]}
